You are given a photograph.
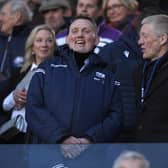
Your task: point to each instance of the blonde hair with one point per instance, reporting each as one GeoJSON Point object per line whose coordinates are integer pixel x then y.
{"type": "Point", "coordinates": [29, 57]}
{"type": "Point", "coordinates": [132, 5]}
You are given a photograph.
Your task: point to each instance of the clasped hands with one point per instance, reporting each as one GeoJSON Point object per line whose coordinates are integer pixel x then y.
{"type": "Point", "coordinates": [73, 147]}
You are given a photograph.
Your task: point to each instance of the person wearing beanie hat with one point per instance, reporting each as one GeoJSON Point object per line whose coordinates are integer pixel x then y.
{"type": "Point", "coordinates": [54, 12]}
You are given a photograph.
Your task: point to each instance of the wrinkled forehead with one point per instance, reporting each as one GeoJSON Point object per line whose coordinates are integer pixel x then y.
{"type": "Point", "coordinates": [82, 23]}
{"type": "Point", "coordinates": [147, 28]}
{"type": "Point", "coordinates": [88, 2]}
{"type": "Point", "coordinates": [114, 2]}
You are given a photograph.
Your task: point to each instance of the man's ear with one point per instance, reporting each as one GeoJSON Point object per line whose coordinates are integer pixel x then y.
{"type": "Point", "coordinates": [18, 18]}
{"type": "Point", "coordinates": [163, 39]}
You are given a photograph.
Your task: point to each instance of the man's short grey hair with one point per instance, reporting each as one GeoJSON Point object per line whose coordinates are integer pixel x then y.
{"type": "Point", "coordinates": [158, 22]}
{"type": "Point", "coordinates": [131, 155]}
{"type": "Point", "coordinates": [23, 8]}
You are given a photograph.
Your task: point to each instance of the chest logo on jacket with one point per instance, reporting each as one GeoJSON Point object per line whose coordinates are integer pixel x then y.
{"type": "Point", "coordinates": [59, 65]}
{"type": "Point", "coordinates": [100, 77]}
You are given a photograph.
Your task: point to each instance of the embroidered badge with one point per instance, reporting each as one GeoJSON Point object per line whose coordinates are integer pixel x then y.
{"type": "Point", "coordinates": [59, 65]}
{"type": "Point", "coordinates": [100, 75]}
{"type": "Point", "coordinates": [117, 83]}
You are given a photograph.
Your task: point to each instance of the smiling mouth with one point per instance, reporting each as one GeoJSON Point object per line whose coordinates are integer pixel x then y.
{"type": "Point", "coordinates": [80, 43]}
{"type": "Point", "coordinates": [44, 51]}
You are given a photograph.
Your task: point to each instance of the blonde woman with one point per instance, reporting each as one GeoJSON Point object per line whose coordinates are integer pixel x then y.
{"type": "Point", "coordinates": [119, 13]}
{"type": "Point", "coordinates": [40, 45]}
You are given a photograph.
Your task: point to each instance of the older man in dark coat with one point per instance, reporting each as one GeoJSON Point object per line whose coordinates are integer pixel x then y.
{"type": "Point", "coordinates": [152, 81]}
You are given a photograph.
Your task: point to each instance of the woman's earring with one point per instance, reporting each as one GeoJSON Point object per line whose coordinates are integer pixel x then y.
{"type": "Point", "coordinates": [33, 53]}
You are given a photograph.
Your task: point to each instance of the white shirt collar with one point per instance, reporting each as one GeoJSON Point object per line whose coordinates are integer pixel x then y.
{"type": "Point", "coordinates": [34, 66]}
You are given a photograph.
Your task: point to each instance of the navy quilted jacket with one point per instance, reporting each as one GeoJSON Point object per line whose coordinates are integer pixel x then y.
{"type": "Point", "coordinates": [63, 101]}
{"type": "Point", "coordinates": [124, 56]}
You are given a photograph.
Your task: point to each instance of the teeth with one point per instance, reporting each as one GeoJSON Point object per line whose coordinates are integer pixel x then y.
{"type": "Point", "coordinates": [80, 42]}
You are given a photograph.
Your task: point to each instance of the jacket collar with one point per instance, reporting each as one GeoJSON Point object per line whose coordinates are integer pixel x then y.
{"type": "Point", "coordinates": [93, 58]}
{"type": "Point", "coordinates": [162, 70]}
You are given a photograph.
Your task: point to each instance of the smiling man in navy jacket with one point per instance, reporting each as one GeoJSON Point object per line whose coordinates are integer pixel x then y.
{"type": "Point", "coordinates": [74, 98]}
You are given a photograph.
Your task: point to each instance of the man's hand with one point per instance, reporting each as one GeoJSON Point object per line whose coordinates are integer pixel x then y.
{"type": "Point", "coordinates": [71, 140]}
{"type": "Point", "coordinates": [20, 97]}
{"type": "Point", "coordinates": [84, 141]}
{"type": "Point", "coordinates": [72, 146]}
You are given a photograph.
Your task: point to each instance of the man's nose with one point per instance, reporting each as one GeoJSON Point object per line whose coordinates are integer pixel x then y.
{"type": "Point", "coordinates": [80, 33]}
{"type": "Point", "coordinates": [140, 41]}
{"type": "Point", "coordinates": [84, 8]}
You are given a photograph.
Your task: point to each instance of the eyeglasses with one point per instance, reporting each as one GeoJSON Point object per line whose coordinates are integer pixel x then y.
{"type": "Point", "coordinates": [115, 7]}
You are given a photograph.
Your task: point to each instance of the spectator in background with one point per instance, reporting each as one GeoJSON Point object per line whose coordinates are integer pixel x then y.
{"type": "Point", "coordinates": [94, 10]}
{"type": "Point", "coordinates": [54, 12]}
{"type": "Point", "coordinates": [73, 98]}
{"type": "Point", "coordinates": [14, 30]}
{"type": "Point", "coordinates": [39, 46]}
{"type": "Point", "coordinates": [15, 19]}
{"type": "Point", "coordinates": [131, 159]}
{"type": "Point", "coordinates": [15, 15]}
{"type": "Point", "coordinates": [119, 13]}
{"type": "Point", "coordinates": [152, 82]}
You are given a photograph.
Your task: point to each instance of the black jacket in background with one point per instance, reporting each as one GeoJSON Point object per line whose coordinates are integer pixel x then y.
{"type": "Point", "coordinates": [124, 56]}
